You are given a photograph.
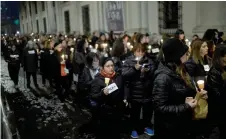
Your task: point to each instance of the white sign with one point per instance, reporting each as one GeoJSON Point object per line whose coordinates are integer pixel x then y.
{"type": "Point", "coordinates": [31, 52]}
{"type": "Point", "coordinates": [206, 67]}
{"type": "Point", "coordinates": [156, 50]}
{"type": "Point", "coordinates": [112, 87]}
{"type": "Point", "coordinates": [66, 70]}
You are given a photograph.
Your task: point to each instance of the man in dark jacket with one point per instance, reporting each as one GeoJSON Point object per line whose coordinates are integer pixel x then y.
{"type": "Point", "coordinates": [30, 62]}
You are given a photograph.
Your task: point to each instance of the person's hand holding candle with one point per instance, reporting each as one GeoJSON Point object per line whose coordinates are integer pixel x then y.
{"type": "Point", "coordinates": [202, 92]}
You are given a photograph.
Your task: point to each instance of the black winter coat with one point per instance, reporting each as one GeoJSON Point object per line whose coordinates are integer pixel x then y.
{"type": "Point", "coordinates": [110, 100]}
{"type": "Point", "coordinates": [30, 60]}
{"type": "Point", "coordinates": [85, 81]}
{"type": "Point", "coordinates": [14, 59]}
{"type": "Point", "coordinates": [139, 84]}
{"type": "Point", "coordinates": [197, 70]}
{"type": "Point", "coordinates": [216, 88]}
{"type": "Point", "coordinates": [171, 114]}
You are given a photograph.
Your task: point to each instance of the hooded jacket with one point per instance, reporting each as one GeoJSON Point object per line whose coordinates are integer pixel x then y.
{"type": "Point", "coordinates": [171, 114]}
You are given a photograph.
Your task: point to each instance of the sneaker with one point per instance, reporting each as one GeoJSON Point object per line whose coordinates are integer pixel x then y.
{"type": "Point", "coordinates": [149, 131]}
{"type": "Point", "coordinates": [134, 135]}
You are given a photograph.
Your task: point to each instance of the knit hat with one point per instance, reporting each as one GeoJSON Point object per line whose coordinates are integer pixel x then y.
{"type": "Point", "coordinates": [173, 50]}
{"type": "Point", "coordinates": [104, 60]}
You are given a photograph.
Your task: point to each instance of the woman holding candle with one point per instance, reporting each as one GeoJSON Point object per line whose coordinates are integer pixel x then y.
{"type": "Point", "coordinates": [216, 84]}
{"type": "Point", "coordinates": [173, 93]}
{"type": "Point", "coordinates": [109, 103]}
{"type": "Point", "coordinates": [137, 73]}
{"type": "Point", "coordinates": [62, 79]}
{"type": "Point", "coordinates": [198, 67]}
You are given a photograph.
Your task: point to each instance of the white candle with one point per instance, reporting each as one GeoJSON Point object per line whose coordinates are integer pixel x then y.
{"type": "Point", "coordinates": [90, 46]}
{"type": "Point", "coordinates": [38, 39]}
{"type": "Point", "coordinates": [62, 57]}
{"type": "Point", "coordinates": [149, 47]}
{"type": "Point", "coordinates": [72, 49]}
{"type": "Point", "coordinates": [65, 36]}
{"type": "Point", "coordinates": [34, 40]}
{"type": "Point", "coordinates": [161, 40]}
{"type": "Point", "coordinates": [74, 39]}
{"type": "Point", "coordinates": [131, 46]}
{"type": "Point", "coordinates": [128, 43]}
{"type": "Point", "coordinates": [110, 49]}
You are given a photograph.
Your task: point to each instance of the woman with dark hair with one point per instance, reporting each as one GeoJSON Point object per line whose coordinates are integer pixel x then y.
{"type": "Point", "coordinates": [180, 35]}
{"type": "Point", "coordinates": [14, 61]}
{"type": "Point", "coordinates": [209, 37]}
{"type": "Point", "coordinates": [199, 62]}
{"type": "Point", "coordinates": [198, 67]}
{"type": "Point", "coordinates": [173, 93]}
{"type": "Point", "coordinates": [88, 75]}
{"type": "Point", "coordinates": [137, 73]}
{"type": "Point", "coordinates": [216, 84]}
{"type": "Point", "coordinates": [102, 46]}
{"type": "Point", "coordinates": [117, 54]}
{"type": "Point", "coordinates": [79, 56]}
{"type": "Point", "coordinates": [195, 37]}
{"type": "Point", "coordinates": [109, 100]}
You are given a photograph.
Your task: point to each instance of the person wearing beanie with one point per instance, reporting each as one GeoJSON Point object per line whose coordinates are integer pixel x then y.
{"type": "Point", "coordinates": [173, 93]}
{"type": "Point", "coordinates": [107, 93]}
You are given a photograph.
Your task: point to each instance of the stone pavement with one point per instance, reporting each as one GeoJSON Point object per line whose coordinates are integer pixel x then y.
{"type": "Point", "coordinates": [39, 114]}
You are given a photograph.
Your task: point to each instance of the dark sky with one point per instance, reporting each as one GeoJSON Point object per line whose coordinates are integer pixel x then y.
{"type": "Point", "coordinates": [10, 8]}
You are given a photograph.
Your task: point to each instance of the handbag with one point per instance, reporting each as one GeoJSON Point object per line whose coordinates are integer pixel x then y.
{"type": "Point", "coordinates": [201, 110]}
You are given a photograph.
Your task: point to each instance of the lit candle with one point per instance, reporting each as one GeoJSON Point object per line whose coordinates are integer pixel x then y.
{"type": "Point", "coordinates": [62, 57]}
{"type": "Point", "coordinates": [189, 43]}
{"type": "Point", "coordinates": [50, 36]}
{"type": "Point", "coordinates": [131, 46]}
{"type": "Point", "coordinates": [186, 40]}
{"type": "Point", "coordinates": [161, 40]}
{"type": "Point", "coordinates": [128, 43]}
{"type": "Point", "coordinates": [149, 47]}
{"type": "Point", "coordinates": [34, 40]}
{"type": "Point", "coordinates": [74, 39]}
{"type": "Point", "coordinates": [90, 46]}
{"type": "Point", "coordinates": [17, 40]}
{"type": "Point", "coordinates": [65, 36]}
{"type": "Point", "coordinates": [96, 46]}
{"type": "Point", "coordinates": [5, 34]}
{"type": "Point", "coordinates": [32, 33]}
{"type": "Point", "coordinates": [72, 50]}
{"type": "Point", "coordinates": [38, 39]}
{"type": "Point", "coordinates": [110, 49]}
{"type": "Point", "coordinates": [17, 32]}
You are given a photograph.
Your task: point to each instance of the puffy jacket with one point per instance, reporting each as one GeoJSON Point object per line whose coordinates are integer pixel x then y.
{"type": "Point", "coordinates": [85, 81]}
{"type": "Point", "coordinates": [171, 114]}
{"type": "Point", "coordinates": [197, 71]}
{"type": "Point", "coordinates": [216, 87]}
{"type": "Point", "coordinates": [112, 99]}
{"type": "Point", "coordinates": [139, 84]}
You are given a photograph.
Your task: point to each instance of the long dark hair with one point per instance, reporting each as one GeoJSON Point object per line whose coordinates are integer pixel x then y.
{"type": "Point", "coordinates": [177, 34]}
{"type": "Point", "coordinates": [220, 52]}
{"type": "Point", "coordinates": [118, 48]}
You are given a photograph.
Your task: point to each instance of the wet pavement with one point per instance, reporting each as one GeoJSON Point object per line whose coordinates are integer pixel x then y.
{"type": "Point", "coordinates": [39, 114]}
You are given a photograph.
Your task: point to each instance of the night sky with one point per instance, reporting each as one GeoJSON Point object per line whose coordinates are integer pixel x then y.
{"type": "Point", "coordinates": [10, 9]}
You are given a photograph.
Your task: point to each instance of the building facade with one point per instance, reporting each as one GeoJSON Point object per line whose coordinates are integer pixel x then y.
{"type": "Point", "coordinates": [130, 16]}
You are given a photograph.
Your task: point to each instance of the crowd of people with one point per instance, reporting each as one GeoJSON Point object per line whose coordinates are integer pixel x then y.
{"type": "Point", "coordinates": [167, 80]}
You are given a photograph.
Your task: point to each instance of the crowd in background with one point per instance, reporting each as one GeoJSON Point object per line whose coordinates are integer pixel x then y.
{"type": "Point", "coordinates": [117, 75]}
